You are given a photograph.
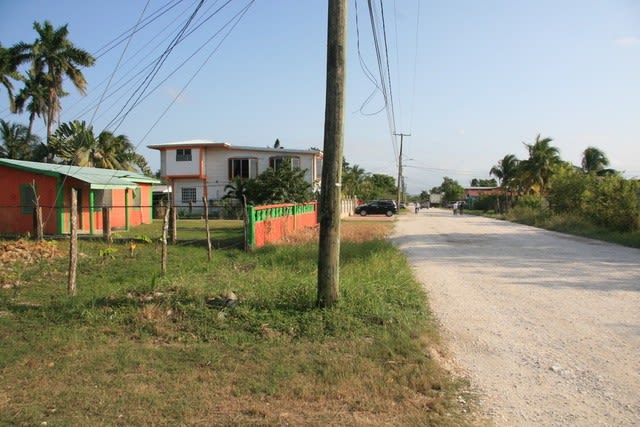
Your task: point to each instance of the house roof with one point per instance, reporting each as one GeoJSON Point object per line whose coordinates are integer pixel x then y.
{"type": "Point", "coordinates": [97, 178]}
{"type": "Point", "coordinates": [224, 145]}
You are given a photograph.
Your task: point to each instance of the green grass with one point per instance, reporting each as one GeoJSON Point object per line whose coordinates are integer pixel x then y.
{"type": "Point", "coordinates": [135, 347]}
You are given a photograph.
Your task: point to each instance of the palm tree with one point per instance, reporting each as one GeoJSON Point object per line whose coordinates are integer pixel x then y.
{"type": "Point", "coordinates": [239, 190]}
{"type": "Point", "coordinates": [113, 152]}
{"type": "Point", "coordinates": [32, 97]}
{"type": "Point", "coordinates": [353, 178]}
{"type": "Point", "coordinates": [506, 169]}
{"type": "Point", "coordinates": [53, 56]}
{"type": "Point", "coordinates": [507, 172]}
{"type": "Point", "coordinates": [594, 160]}
{"type": "Point", "coordinates": [16, 143]}
{"type": "Point", "coordinates": [9, 62]}
{"type": "Point", "coordinates": [538, 168]}
{"type": "Point", "coordinates": [74, 143]}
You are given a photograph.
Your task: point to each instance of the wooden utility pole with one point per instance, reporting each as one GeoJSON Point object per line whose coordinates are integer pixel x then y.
{"type": "Point", "coordinates": [329, 212]}
{"type": "Point", "coordinates": [402, 135]}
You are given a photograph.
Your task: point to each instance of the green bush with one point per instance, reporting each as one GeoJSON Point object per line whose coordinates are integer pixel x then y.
{"type": "Point", "coordinates": [532, 201]}
{"type": "Point", "coordinates": [612, 202]}
{"type": "Point", "coordinates": [567, 190]}
{"type": "Point", "coordinates": [529, 215]}
{"type": "Point", "coordinates": [485, 203]}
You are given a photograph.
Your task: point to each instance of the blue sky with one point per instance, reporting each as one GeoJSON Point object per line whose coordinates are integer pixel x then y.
{"type": "Point", "coordinates": [471, 80]}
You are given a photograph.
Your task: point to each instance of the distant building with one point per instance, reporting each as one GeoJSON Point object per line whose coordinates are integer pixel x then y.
{"type": "Point", "coordinates": [471, 194]}
{"type": "Point", "coordinates": [200, 168]}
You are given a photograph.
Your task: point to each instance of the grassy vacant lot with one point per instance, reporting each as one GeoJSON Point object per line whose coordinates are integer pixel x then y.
{"type": "Point", "coordinates": [138, 348]}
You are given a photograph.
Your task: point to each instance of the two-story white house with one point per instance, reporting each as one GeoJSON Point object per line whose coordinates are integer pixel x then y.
{"type": "Point", "coordinates": [201, 168]}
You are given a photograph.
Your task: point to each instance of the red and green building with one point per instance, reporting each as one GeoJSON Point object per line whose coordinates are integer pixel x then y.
{"type": "Point", "coordinates": [127, 195]}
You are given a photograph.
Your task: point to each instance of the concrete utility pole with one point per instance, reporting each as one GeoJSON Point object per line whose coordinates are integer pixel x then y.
{"type": "Point", "coordinates": [329, 213]}
{"type": "Point", "coordinates": [400, 185]}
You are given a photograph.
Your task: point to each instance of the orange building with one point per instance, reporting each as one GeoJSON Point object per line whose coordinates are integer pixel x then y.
{"type": "Point", "coordinates": [126, 194]}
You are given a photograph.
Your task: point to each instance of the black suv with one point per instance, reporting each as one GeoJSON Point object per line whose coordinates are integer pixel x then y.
{"type": "Point", "coordinates": [379, 207]}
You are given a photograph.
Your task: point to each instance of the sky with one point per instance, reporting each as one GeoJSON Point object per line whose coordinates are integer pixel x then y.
{"type": "Point", "coordinates": [470, 81]}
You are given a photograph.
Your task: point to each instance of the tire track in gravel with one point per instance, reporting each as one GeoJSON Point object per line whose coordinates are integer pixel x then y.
{"type": "Point", "coordinates": [546, 326]}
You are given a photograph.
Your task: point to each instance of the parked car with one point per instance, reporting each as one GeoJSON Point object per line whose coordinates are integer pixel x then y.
{"type": "Point", "coordinates": [377, 207]}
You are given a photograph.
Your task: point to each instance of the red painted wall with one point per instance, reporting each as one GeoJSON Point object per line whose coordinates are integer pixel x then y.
{"type": "Point", "coordinates": [12, 219]}
{"type": "Point", "coordinates": [275, 229]}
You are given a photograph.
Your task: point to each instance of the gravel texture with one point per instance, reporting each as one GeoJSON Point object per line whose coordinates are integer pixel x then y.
{"type": "Point", "coordinates": [546, 326]}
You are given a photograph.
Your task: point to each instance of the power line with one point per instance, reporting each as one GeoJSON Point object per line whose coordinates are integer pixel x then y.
{"type": "Point", "coordinates": [118, 64]}
{"type": "Point", "coordinates": [139, 92]}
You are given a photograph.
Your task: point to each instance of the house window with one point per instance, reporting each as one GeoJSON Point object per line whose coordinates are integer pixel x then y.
{"type": "Point", "coordinates": [276, 162]}
{"type": "Point", "coordinates": [27, 199]}
{"type": "Point", "coordinates": [183, 155]}
{"type": "Point", "coordinates": [137, 198]}
{"type": "Point", "coordinates": [243, 168]}
{"type": "Point", "coordinates": [102, 198]}
{"type": "Point", "coordinates": [188, 195]}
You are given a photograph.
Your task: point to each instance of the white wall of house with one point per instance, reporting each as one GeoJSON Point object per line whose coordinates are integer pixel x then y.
{"type": "Point", "coordinates": [217, 166]}
{"type": "Point", "coordinates": [177, 163]}
{"type": "Point", "coordinates": [188, 190]}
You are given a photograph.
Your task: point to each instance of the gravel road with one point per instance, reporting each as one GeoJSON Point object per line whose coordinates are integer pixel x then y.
{"type": "Point", "coordinates": [546, 326]}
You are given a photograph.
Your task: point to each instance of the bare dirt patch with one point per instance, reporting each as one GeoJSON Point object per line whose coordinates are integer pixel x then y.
{"type": "Point", "coordinates": [356, 232]}
{"type": "Point", "coordinates": [14, 255]}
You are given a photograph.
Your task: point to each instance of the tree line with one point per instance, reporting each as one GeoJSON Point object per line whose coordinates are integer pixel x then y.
{"type": "Point", "coordinates": [545, 184]}
{"type": "Point", "coordinates": [33, 75]}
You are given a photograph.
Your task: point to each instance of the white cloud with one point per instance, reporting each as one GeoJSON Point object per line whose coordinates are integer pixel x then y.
{"type": "Point", "coordinates": [628, 41]}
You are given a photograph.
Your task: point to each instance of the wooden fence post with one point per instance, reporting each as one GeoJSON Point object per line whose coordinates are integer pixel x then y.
{"type": "Point", "coordinates": [73, 244]}
{"type": "Point", "coordinates": [165, 231]}
{"type": "Point", "coordinates": [206, 225]}
{"type": "Point", "coordinates": [173, 223]}
{"type": "Point", "coordinates": [106, 224]}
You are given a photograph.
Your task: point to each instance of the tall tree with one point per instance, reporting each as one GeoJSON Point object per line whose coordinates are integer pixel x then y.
{"type": "Point", "coordinates": [9, 61]}
{"type": "Point", "coordinates": [53, 57]}
{"type": "Point", "coordinates": [451, 190]}
{"type": "Point", "coordinates": [594, 160]}
{"type": "Point", "coordinates": [538, 168]}
{"type": "Point", "coordinates": [15, 141]}
{"type": "Point", "coordinates": [73, 143]}
{"type": "Point", "coordinates": [32, 98]}
{"type": "Point", "coordinates": [113, 152]}
{"type": "Point", "coordinates": [353, 179]}
{"type": "Point", "coordinates": [506, 169]}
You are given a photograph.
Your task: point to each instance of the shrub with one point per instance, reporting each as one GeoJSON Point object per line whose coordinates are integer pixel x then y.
{"type": "Point", "coordinates": [485, 203]}
{"type": "Point", "coordinates": [529, 215]}
{"type": "Point", "coordinates": [612, 202]}
{"type": "Point", "coordinates": [567, 190]}
{"type": "Point", "coordinates": [530, 201]}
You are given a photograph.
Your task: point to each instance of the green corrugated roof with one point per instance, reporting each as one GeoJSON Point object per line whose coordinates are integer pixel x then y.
{"type": "Point", "coordinates": [97, 178]}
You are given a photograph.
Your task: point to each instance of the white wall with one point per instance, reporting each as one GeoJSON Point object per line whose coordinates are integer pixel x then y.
{"type": "Point", "coordinates": [173, 167]}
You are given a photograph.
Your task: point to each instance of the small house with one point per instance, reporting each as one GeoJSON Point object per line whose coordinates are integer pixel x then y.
{"type": "Point", "coordinates": [127, 196]}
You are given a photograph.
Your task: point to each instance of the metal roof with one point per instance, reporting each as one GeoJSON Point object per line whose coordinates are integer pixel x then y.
{"type": "Point", "coordinates": [97, 178]}
{"type": "Point", "coordinates": [206, 143]}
